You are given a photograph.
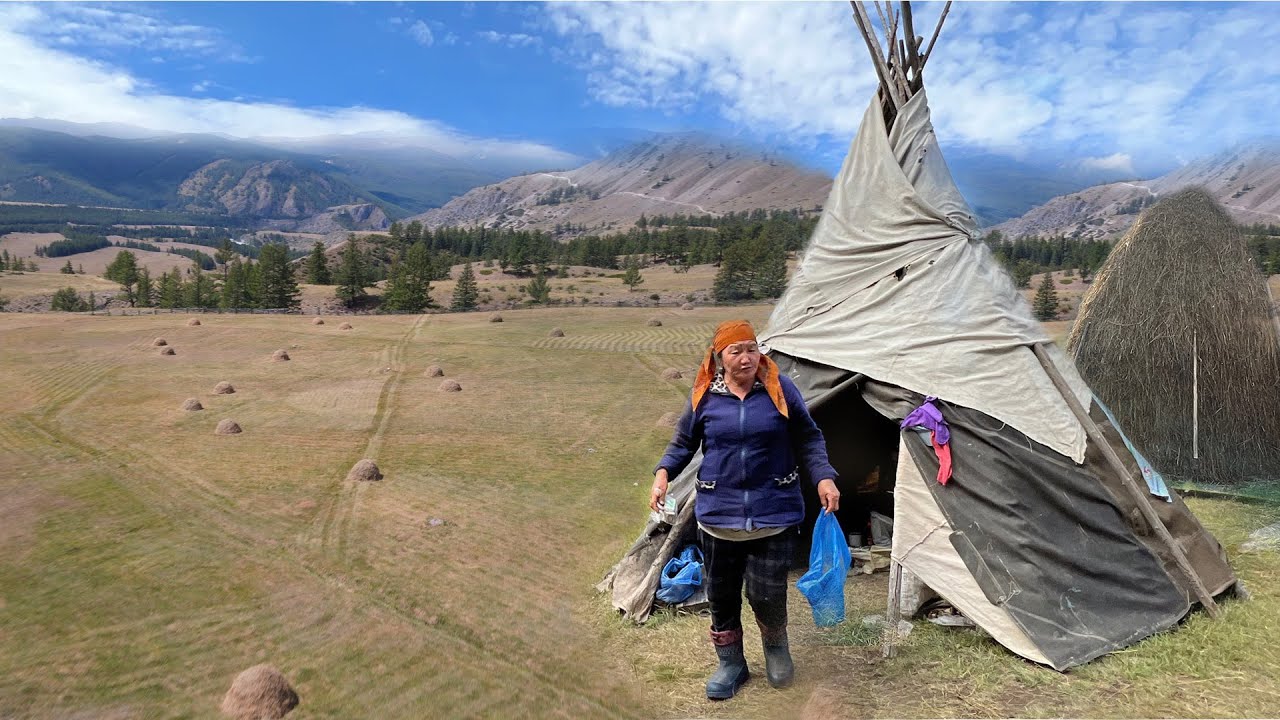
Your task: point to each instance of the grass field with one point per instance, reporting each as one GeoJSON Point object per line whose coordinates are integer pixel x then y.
{"type": "Point", "coordinates": [144, 561]}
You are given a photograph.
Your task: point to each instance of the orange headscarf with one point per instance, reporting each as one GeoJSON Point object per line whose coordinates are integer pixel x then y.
{"type": "Point", "coordinates": [730, 332]}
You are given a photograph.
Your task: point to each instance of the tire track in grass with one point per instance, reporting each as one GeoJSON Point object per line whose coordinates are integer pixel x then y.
{"type": "Point", "coordinates": [334, 526]}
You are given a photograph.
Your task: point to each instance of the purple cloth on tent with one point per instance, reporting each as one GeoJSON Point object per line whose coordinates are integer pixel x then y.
{"type": "Point", "coordinates": [929, 416]}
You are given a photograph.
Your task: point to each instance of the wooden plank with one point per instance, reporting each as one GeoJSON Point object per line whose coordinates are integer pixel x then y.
{"type": "Point", "coordinates": [1139, 494]}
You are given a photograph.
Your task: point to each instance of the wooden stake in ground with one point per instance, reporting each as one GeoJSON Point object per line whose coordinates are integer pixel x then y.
{"type": "Point", "coordinates": [894, 613]}
{"type": "Point", "coordinates": [1138, 494]}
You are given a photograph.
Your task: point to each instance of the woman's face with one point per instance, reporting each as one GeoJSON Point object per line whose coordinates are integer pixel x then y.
{"type": "Point", "coordinates": [741, 360]}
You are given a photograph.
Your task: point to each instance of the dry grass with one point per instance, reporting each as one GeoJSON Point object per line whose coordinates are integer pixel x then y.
{"type": "Point", "coordinates": [460, 585]}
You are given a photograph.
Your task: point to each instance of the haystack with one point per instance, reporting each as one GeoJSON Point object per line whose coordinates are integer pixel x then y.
{"type": "Point", "coordinates": [159, 342]}
{"type": "Point", "coordinates": [223, 388]}
{"type": "Point", "coordinates": [318, 321]}
{"type": "Point", "coordinates": [655, 322]}
{"type": "Point", "coordinates": [227, 426]}
{"type": "Point", "coordinates": [672, 374]}
{"type": "Point", "coordinates": [1176, 337]}
{"type": "Point", "coordinates": [668, 420]}
{"type": "Point", "coordinates": [193, 322]}
{"type": "Point", "coordinates": [344, 326]}
{"type": "Point", "coordinates": [495, 318]}
{"type": "Point", "coordinates": [279, 356]}
{"type": "Point", "coordinates": [168, 350]}
{"type": "Point", "coordinates": [192, 404]}
{"type": "Point", "coordinates": [259, 693]}
{"type": "Point", "coordinates": [556, 332]}
{"type": "Point", "coordinates": [687, 306]}
{"type": "Point", "coordinates": [365, 471]}
{"type": "Point", "coordinates": [434, 371]}
{"type": "Point", "coordinates": [450, 386]}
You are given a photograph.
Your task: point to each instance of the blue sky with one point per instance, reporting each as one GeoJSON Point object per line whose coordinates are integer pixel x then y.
{"type": "Point", "coordinates": [1130, 88]}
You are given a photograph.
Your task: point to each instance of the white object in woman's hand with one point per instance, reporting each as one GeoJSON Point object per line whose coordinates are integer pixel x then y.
{"type": "Point", "coordinates": [659, 495]}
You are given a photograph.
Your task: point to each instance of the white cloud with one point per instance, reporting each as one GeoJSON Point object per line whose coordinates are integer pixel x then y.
{"type": "Point", "coordinates": [510, 39]}
{"type": "Point", "coordinates": [1116, 162]}
{"type": "Point", "coordinates": [201, 86]}
{"type": "Point", "coordinates": [70, 25]}
{"type": "Point", "coordinates": [39, 81]}
{"type": "Point", "coordinates": [421, 34]}
{"type": "Point", "coordinates": [1100, 79]}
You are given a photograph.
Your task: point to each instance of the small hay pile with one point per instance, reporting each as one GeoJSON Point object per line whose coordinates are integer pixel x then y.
{"type": "Point", "coordinates": [193, 322]}
{"type": "Point", "coordinates": [344, 326]}
{"type": "Point", "coordinates": [672, 374]}
{"type": "Point", "coordinates": [259, 693]}
{"type": "Point", "coordinates": [223, 388]}
{"type": "Point", "coordinates": [192, 404]}
{"type": "Point", "coordinates": [159, 342]}
{"type": "Point", "coordinates": [227, 426]}
{"type": "Point", "coordinates": [668, 420]}
{"type": "Point", "coordinates": [687, 306]}
{"type": "Point", "coordinates": [279, 356]}
{"type": "Point", "coordinates": [450, 386]}
{"type": "Point", "coordinates": [655, 322]}
{"type": "Point", "coordinates": [364, 471]}
{"type": "Point", "coordinates": [556, 332]}
{"type": "Point", "coordinates": [1179, 317]}
{"type": "Point", "coordinates": [318, 321]}
{"type": "Point", "coordinates": [434, 371]}
{"type": "Point", "coordinates": [495, 318]}
{"type": "Point", "coordinates": [168, 350]}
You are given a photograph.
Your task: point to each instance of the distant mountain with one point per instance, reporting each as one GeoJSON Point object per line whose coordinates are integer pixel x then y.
{"type": "Point", "coordinates": [1245, 180]}
{"type": "Point", "coordinates": [689, 174]}
{"type": "Point", "coordinates": [1000, 188]}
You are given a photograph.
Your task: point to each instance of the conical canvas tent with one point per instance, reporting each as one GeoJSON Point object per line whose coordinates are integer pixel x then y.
{"type": "Point", "coordinates": [1041, 537]}
{"type": "Point", "coordinates": [1177, 336]}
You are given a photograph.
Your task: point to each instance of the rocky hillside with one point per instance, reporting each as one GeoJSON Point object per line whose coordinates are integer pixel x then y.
{"type": "Point", "coordinates": [274, 189]}
{"type": "Point", "coordinates": [686, 174]}
{"type": "Point", "coordinates": [1246, 181]}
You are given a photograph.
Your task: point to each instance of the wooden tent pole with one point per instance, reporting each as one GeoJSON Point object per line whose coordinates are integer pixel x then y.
{"type": "Point", "coordinates": [893, 615]}
{"type": "Point", "coordinates": [1117, 466]}
{"type": "Point", "coordinates": [868, 34]}
{"type": "Point", "coordinates": [929, 50]}
{"type": "Point", "coordinates": [909, 30]}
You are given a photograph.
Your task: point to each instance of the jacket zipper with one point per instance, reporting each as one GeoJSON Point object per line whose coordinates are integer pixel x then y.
{"type": "Point", "coordinates": [742, 462]}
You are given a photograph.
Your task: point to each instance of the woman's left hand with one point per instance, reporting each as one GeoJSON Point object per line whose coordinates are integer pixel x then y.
{"type": "Point", "coordinates": [828, 495]}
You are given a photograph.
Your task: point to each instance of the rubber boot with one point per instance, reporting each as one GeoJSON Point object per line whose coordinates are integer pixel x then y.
{"type": "Point", "coordinates": [732, 673]}
{"type": "Point", "coordinates": [777, 655]}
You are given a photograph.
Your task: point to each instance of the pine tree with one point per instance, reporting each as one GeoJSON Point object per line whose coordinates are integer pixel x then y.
{"type": "Point", "coordinates": [235, 291]}
{"type": "Point", "coordinates": [223, 256]}
{"type": "Point", "coordinates": [465, 294]}
{"type": "Point", "coordinates": [631, 276]}
{"type": "Point", "coordinates": [409, 285]}
{"type": "Point", "coordinates": [4, 259]}
{"type": "Point", "coordinates": [200, 290]}
{"type": "Point", "coordinates": [68, 269]}
{"type": "Point", "coordinates": [1045, 304]}
{"type": "Point", "coordinates": [538, 289]}
{"type": "Point", "coordinates": [67, 300]}
{"type": "Point", "coordinates": [279, 288]}
{"type": "Point", "coordinates": [124, 270]}
{"type": "Point", "coordinates": [146, 289]}
{"type": "Point", "coordinates": [751, 268]}
{"type": "Point", "coordinates": [318, 266]}
{"type": "Point", "coordinates": [80, 269]}
{"type": "Point", "coordinates": [352, 277]}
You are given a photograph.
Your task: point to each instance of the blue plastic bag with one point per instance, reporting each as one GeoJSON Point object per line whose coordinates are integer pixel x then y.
{"type": "Point", "coordinates": [823, 584]}
{"type": "Point", "coordinates": [681, 576]}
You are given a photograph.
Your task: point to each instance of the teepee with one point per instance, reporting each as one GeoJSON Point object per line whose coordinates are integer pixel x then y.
{"type": "Point", "coordinates": [1045, 536]}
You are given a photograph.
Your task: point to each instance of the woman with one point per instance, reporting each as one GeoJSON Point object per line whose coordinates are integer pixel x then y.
{"type": "Point", "coordinates": [755, 434]}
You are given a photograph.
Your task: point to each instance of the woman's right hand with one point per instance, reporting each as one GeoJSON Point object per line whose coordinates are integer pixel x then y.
{"type": "Point", "coordinates": [659, 494]}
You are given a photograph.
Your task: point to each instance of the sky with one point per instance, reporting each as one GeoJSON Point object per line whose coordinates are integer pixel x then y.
{"type": "Point", "coordinates": [1130, 88]}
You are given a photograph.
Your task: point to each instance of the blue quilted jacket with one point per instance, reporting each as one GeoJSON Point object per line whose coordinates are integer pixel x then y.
{"type": "Point", "coordinates": [753, 458]}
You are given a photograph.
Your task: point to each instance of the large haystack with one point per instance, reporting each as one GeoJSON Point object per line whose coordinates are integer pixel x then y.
{"type": "Point", "coordinates": [668, 420]}
{"type": "Point", "coordinates": [223, 388]}
{"type": "Point", "coordinates": [556, 332]}
{"type": "Point", "coordinates": [434, 371]}
{"type": "Point", "coordinates": [450, 386]}
{"type": "Point", "coordinates": [672, 374]}
{"type": "Point", "coordinates": [495, 318]}
{"type": "Point", "coordinates": [655, 322]}
{"type": "Point", "coordinates": [227, 426]}
{"type": "Point", "coordinates": [259, 693]}
{"type": "Point", "coordinates": [365, 471]}
{"type": "Point", "coordinates": [344, 326]}
{"type": "Point", "coordinates": [168, 350]}
{"type": "Point", "coordinates": [687, 306]}
{"type": "Point", "coordinates": [318, 321]}
{"type": "Point", "coordinates": [1175, 336]}
{"type": "Point", "coordinates": [279, 356]}
{"type": "Point", "coordinates": [192, 404]}
{"type": "Point", "coordinates": [159, 342]}
{"type": "Point", "coordinates": [193, 322]}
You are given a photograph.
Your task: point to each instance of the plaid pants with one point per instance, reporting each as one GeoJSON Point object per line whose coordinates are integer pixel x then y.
{"type": "Point", "coordinates": [762, 564]}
